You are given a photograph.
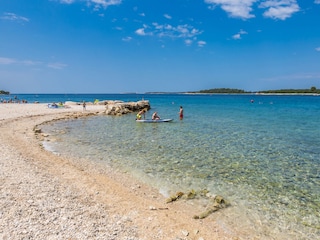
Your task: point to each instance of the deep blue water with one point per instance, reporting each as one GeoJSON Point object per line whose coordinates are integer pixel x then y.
{"type": "Point", "coordinates": [50, 98]}
{"type": "Point", "coordinates": [263, 156]}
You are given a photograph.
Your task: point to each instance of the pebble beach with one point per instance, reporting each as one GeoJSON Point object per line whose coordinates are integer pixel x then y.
{"type": "Point", "coordinates": [46, 196]}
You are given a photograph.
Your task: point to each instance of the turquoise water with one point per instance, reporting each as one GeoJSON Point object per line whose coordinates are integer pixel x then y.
{"type": "Point", "coordinates": [264, 157]}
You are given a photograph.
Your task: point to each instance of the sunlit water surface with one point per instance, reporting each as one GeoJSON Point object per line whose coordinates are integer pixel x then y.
{"type": "Point", "coordinates": [263, 157]}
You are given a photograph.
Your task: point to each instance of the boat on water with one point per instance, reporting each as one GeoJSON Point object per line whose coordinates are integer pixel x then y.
{"type": "Point", "coordinates": [154, 121]}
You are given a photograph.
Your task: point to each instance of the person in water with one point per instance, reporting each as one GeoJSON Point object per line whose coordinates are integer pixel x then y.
{"type": "Point", "coordinates": [83, 106]}
{"type": "Point", "coordinates": [155, 116]}
{"type": "Point", "coordinates": [181, 113]}
{"type": "Point", "coordinates": [139, 115]}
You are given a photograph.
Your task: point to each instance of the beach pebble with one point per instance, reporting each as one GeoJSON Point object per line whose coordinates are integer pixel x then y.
{"type": "Point", "coordinates": [45, 196]}
{"type": "Point", "coordinates": [185, 233]}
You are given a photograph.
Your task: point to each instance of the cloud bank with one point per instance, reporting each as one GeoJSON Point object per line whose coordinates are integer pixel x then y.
{"type": "Point", "coordinates": [14, 17]}
{"type": "Point", "coordinates": [11, 61]}
{"type": "Point", "coordinates": [275, 9]}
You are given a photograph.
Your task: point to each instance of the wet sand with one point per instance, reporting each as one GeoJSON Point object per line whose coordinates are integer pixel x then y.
{"type": "Point", "coordinates": [46, 196]}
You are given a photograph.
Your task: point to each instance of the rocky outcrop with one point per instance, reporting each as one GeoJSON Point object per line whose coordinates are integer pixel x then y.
{"type": "Point", "coordinates": [119, 108]}
{"type": "Point", "coordinates": [116, 107]}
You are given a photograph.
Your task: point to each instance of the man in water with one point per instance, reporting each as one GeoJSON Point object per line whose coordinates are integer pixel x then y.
{"type": "Point", "coordinates": [181, 113]}
{"type": "Point", "coordinates": [155, 116]}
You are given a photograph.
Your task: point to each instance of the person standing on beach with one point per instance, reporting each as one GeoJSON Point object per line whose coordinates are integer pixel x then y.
{"type": "Point", "coordinates": [84, 105]}
{"type": "Point", "coordinates": [181, 113]}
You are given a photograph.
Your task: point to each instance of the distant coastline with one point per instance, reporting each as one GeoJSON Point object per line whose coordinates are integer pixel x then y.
{"type": "Point", "coordinates": [312, 91]}
{"type": "Point", "coordinates": [255, 93]}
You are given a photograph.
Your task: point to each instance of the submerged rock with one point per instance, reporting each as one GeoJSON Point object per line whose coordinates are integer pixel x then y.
{"type": "Point", "coordinates": [175, 197]}
{"type": "Point", "coordinates": [215, 202]}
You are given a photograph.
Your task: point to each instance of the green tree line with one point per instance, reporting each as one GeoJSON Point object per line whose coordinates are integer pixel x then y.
{"type": "Point", "coordinates": [223, 90]}
{"type": "Point", "coordinates": [4, 92]}
{"type": "Point", "coordinates": [312, 90]}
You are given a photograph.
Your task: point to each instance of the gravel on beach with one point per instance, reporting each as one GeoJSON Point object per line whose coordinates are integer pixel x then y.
{"type": "Point", "coordinates": [46, 196]}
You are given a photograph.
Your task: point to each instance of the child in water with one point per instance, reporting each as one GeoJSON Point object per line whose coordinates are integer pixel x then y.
{"type": "Point", "coordinates": [139, 115]}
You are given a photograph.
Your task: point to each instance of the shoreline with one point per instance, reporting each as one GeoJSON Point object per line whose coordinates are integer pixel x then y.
{"type": "Point", "coordinates": [44, 195]}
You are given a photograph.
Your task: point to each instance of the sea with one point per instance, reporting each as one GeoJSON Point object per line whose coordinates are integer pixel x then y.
{"type": "Point", "coordinates": [260, 152]}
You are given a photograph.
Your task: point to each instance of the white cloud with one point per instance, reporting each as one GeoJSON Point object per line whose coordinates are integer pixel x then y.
{"type": "Point", "coordinates": [242, 32]}
{"type": "Point", "coordinates": [235, 8]}
{"type": "Point", "coordinates": [14, 17]}
{"type": "Point", "coordinates": [238, 35]}
{"type": "Point", "coordinates": [201, 43]}
{"type": "Point", "coordinates": [169, 31]}
{"type": "Point", "coordinates": [318, 49]}
{"type": "Point", "coordinates": [140, 32]}
{"type": "Point", "coordinates": [9, 61]}
{"type": "Point", "coordinates": [167, 16]}
{"type": "Point", "coordinates": [57, 65]}
{"type": "Point", "coordinates": [317, 1]}
{"type": "Point", "coordinates": [106, 3]}
{"type": "Point", "coordinates": [30, 62]}
{"type": "Point", "coordinates": [98, 4]}
{"type": "Point", "coordinates": [276, 9]}
{"type": "Point", "coordinates": [6, 61]}
{"type": "Point", "coordinates": [280, 9]}
{"type": "Point", "coordinates": [127, 39]}
{"type": "Point", "coordinates": [188, 42]}
{"type": "Point", "coordinates": [67, 1]}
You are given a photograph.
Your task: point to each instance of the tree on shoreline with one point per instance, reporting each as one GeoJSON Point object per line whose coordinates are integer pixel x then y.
{"type": "Point", "coordinates": [312, 90]}
{"type": "Point", "coordinates": [4, 92]}
{"type": "Point", "coordinates": [222, 90]}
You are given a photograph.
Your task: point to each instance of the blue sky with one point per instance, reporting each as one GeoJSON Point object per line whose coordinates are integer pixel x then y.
{"type": "Point", "coordinates": [119, 46]}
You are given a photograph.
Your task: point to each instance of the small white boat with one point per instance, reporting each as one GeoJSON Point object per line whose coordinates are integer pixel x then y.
{"type": "Point", "coordinates": [154, 121]}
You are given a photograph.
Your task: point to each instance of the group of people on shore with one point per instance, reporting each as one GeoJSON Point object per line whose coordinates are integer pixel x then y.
{"type": "Point", "coordinates": [155, 115]}
{"type": "Point", "coordinates": [14, 100]}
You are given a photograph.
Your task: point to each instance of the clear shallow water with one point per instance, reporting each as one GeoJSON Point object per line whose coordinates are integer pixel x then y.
{"type": "Point", "coordinates": [264, 157]}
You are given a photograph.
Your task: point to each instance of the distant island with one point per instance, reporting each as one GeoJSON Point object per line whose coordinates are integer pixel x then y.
{"type": "Point", "coordinates": [312, 90]}
{"type": "Point", "coordinates": [222, 90]}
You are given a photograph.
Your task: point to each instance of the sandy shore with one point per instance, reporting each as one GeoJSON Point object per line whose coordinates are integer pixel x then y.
{"type": "Point", "coordinates": [45, 196]}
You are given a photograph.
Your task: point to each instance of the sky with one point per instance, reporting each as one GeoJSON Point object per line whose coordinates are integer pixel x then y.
{"type": "Point", "coordinates": [138, 46]}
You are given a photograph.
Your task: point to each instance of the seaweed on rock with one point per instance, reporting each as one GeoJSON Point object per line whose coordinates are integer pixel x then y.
{"type": "Point", "coordinates": [215, 202]}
